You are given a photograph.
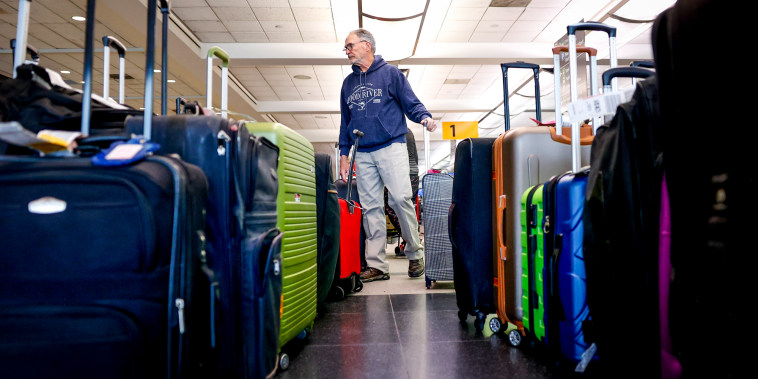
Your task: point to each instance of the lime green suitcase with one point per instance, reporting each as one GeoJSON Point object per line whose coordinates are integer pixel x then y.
{"type": "Point", "coordinates": [296, 217]}
{"type": "Point", "coordinates": [533, 261]}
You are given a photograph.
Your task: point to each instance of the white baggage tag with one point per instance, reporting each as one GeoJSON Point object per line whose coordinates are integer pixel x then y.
{"type": "Point", "coordinates": [598, 106]}
{"type": "Point", "coordinates": [586, 357]}
{"type": "Point", "coordinates": [124, 152]}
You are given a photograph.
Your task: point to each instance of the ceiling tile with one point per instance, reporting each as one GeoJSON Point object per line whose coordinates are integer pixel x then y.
{"type": "Point", "coordinates": [195, 14]}
{"type": "Point", "coordinates": [313, 14]}
{"type": "Point", "coordinates": [279, 27]}
{"type": "Point", "coordinates": [453, 37]}
{"type": "Point", "coordinates": [268, 3]}
{"type": "Point", "coordinates": [228, 3]}
{"type": "Point", "coordinates": [285, 37]}
{"type": "Point", "coordinates": [316, 26]}
{"type": "Point", "coordinates": [273, 14]}
{"type": "Point", "coordinates": [187, 3]}
{"type": "Point", "coordinates": [469, 3]}
{"type": "Point", "coordinates": [311, 3]}
{"type": "Point", "coordinates": [493, 26]}
{"type": "Point", "coordinates": [465, 14]}
{"type": "Point", "coordinates": [458, 26]}
{"type": "Point", "coordinates": [211, 37]}
{"type": "Point", "coordinates": [532, 13]}
{"type": "Point", "coordinates": [250, 37]}
{"type": "Point", "coordinates": [206, 26]}
{"type": "Point", "coordinates": [487, 37]}
{"type": "Point", "coordinates": [316, 37]}
{"type": "Point", "coordinates": [235, 14]}
{"type": "Point", "coordinates": [528, 26]}
{"type": "Point", "coordinates": [311, 93]}
{"type": "Point", "coordinates": [498, 13]}
{"type": "Point", "coordinates": [243, 26]}
{"type": "Point", "coordinates": [463, 71]}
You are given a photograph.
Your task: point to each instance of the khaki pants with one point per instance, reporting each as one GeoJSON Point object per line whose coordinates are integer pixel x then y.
{"type": "Point", "coordinates": [386, 167]}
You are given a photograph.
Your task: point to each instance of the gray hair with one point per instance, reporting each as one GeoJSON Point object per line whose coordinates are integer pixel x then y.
{"type": "Point", "coordinates": [365, 35]}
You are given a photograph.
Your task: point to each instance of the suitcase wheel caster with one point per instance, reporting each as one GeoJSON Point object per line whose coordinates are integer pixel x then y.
{"type": "Point", "coordinates": [358, 286]}
{"type": "Point", "coordinates": [495, 325]}
{"type": "Point", "coordinates": [479, 322]}
{"type": "Point", "coordinates": [284, 361]}
{"type": "Point", "coordinates": [462, 315]}
{"type": "Point", "coordinates": [338, 293]}
{"type": "Point", "coordinates": [514, 338]}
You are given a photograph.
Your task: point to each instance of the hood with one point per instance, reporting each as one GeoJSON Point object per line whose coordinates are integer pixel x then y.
{"type": "Point", "coordinates": [378, 62]}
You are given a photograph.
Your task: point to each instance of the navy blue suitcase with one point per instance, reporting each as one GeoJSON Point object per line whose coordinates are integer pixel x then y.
{"type": "Point", "coordinates": [102, 275]}
{"type": "Point", "coordinates": [470, 228]}
{"type": "Point", "coordinates": [241, 172]}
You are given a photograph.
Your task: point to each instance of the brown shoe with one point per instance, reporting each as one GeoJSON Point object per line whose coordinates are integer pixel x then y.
{"type": "Point", "coordinates": [416, 267]}
{"type": "Point", "coordinates": [371, 274]}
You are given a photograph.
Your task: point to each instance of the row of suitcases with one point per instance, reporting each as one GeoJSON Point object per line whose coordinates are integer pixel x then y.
{"type": "Point", "coordinates": [190, 246]}
{"type": "Point", "coordinates": [529, 225]}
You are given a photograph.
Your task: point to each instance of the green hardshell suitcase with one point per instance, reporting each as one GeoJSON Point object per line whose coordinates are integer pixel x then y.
{"type": "Point", "coordinates": [296, 218]}
{"type": "Point", "coordinates": [533, 261]}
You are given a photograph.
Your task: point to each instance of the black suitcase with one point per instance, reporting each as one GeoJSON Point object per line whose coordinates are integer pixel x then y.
{"type": "Point", "coordinates": [470, 228]}
{"type": "Point", "coordinates": [328, 225]}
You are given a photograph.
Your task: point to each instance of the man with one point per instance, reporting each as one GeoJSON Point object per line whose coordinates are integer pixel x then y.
{"type": "Point", "coordinates": [375, 99]}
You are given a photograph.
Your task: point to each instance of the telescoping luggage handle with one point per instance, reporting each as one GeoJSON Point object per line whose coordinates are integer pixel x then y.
{"type": "Point", "coordinates": [557, 80]}
{"type": "Point", "coordinates": [30, 50]}
{"type": "Point", "coordinates": [536, 70]}
{"type": "Point", "coordinates": [108, 43]}
{"type": "Point", "coordinates": [576, 157]}
{"type": "Point", "coordinates": [22, 29]}
{"type": "Point", "coordinates": [350, 206]}
{"type": "Point", "coordinates": [224, 56]}
{"type": "Point", "coordinates": [165, 9]}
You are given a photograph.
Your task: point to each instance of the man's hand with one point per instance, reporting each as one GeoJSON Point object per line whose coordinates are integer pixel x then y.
{"type": "Point", "coordinates": [429, 123]}
{"type": "Point", "coordinates": [344, 167]}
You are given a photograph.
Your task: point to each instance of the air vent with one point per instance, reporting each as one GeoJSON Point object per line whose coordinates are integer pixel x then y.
{"type": "Point", "coordinates": [509, 3]}
{"type": "Point", "coordinates": [126, 76]}
{"type": "Point", "coordinates": [457, 81]}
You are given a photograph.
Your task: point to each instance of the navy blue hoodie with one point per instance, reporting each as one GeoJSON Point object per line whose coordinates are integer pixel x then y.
{"type": "Point", "coordinates": [376, 103]}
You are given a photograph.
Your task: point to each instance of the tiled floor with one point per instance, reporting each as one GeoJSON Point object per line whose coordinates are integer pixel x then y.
{"type": "Point", "coordinates": [399, 329]}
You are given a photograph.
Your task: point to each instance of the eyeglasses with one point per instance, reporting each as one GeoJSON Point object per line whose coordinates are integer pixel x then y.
{"type": "Point", "coordinates": [350, 46]}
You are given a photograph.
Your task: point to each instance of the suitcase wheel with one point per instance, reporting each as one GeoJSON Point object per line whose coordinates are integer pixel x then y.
{"type": "Point", "coordinates": [514, 337]}
{"type": "Point", "coordinates": [338, 293]}
{"type": "Point", "coordinates": [358, 286]}
{"type": "Point", "coordinates": [495, 325]}
{"type": "Point", "coordinates": [284, 361]}
{"type": "Point", "coordinates": [479, 322]}
{"type": "Point", "coordinates": [462, 315]}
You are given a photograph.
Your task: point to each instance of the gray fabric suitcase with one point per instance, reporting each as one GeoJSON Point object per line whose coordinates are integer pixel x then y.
{"type": "Point", "coordinates": [438, 252]}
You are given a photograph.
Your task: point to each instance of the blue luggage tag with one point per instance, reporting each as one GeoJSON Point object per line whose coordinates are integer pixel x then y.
{"type": "Point", "coordinates": [125, 153]}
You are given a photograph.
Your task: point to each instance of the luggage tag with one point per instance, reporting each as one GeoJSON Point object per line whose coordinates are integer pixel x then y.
{"type": "Point", "coordinates": [125, 153]}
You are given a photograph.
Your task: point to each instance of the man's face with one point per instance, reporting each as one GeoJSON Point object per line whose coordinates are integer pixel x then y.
{"type": "Point", "coordinates": [356, 49]}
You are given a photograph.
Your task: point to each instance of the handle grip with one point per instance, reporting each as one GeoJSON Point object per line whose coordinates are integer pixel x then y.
{"type": "Point", "coordinates": [358, 135]}
{"type": "Point", "coordinates": [520, 64]}
{"type": "Point", "coordinates": [31, 50]}
{"type": "Point", "coordinates": [625, 72]}
{"type": "Point", "coordinates": [592, 52]}
{"type": "Point", "coordinates": [219, 53]}
{"type": "Point", "coordinates": [591, 25]}
{"type": "Point", "coordinates": [165, 4]}
{"type": "Point", "coordinates": [645, 64]}
{"type": "Point", "coordinates": [113, 43]}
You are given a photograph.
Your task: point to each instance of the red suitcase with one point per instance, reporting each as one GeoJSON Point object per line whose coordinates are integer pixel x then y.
{"type": "Point", "coordinates": [346, 279]}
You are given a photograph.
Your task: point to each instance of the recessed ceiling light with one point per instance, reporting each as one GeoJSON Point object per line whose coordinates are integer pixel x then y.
{"type": "Point", "coordinates": [320, 116]}
{"type": "Point", "coordinates": [78, 18]}
{"type": "Point", "coordinates": [65, 72]}
{"type": "Point", "coordinates": [304, 77]}
{"type": "Point", "coordinates": [171, 81]}
{"type": "Point", "coordinates": [156, 70]}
